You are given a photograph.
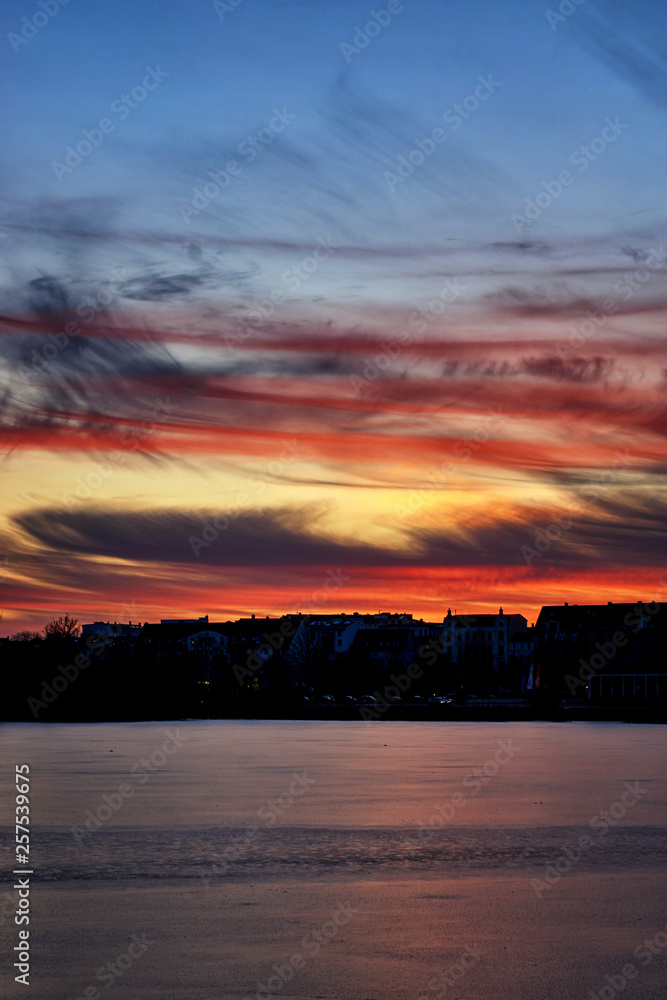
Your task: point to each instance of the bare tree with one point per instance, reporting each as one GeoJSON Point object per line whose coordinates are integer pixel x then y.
{"type": "Point", "coordinates": [26, 636]}
{"type": "Point", "coordinates": [301, 657]}
{"type": "Point", "coordinates": [62, 628]}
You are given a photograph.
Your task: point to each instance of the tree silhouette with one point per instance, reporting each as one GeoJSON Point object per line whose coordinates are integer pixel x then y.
{"type": "Point", "coordinates": [62, 628]}
{"type": "Point", "coordinates": [300, 658]}
{"type": "Point", "coordinates": [25, 636]}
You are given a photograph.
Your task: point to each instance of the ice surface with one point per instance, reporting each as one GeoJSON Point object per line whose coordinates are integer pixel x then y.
{"type": "Point", "coordinates": [240, 843]}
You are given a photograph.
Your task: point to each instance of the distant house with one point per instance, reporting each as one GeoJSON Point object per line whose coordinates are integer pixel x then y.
{"type": "Point", "coordinates": [194, 650]}
{"type": "Point", "coordinates": [608, 653]}
{"type": "Point", "coordinates": [184, 621]}
{"type": "Point", "coordinates": [423, 631]}
{"type": "Point", "coordinates": [387, 618]}
{"type": "Point", "coordinates": [384, 650]}
{"type": "Point", "coordinates": [112, 630]}
{"type": "Point", "coordinates": [186, 634]}
{"type": "Point", "coordinates": [486, 636]}
{"type": "Point", "coordinates": [337, 637]}
{"type": "Point", "coordinates": [326, 636]}
{"type": "Point", "coordinates": [521, 645]}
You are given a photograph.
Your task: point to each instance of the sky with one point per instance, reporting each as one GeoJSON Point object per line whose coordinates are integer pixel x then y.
{"type": "Point", "coordinates": [324, 307]}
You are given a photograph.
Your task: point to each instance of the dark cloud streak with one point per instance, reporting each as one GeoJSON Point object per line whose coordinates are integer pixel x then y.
{"type": "Point", "coordinates": [617, 528]}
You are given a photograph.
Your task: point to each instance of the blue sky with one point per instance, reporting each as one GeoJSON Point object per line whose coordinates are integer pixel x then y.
{"type": "Point", "coordinates": [353, 120]}
{"type": "Point", "coordinates": [445, 299]}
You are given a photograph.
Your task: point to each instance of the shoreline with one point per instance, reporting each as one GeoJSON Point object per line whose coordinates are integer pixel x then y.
{"type": "Point", "coordinates": [392, 713]}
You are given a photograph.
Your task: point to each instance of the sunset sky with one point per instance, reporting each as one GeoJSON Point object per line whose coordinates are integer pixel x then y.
{"type": "Point", "coordinates": [302, 316]}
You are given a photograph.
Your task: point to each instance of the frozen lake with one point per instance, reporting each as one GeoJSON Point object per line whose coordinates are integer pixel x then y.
{"type": "Point", "coordinates": [338, 860]}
